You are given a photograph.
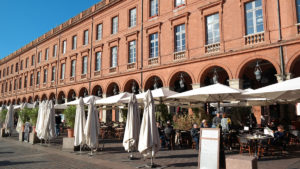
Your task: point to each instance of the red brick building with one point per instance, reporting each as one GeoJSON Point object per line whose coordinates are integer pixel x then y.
{"type": "Point", "coordinates": [132, 45]}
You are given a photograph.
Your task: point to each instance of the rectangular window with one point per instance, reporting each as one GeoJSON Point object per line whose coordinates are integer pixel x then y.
{"type": "Point", "coordinates": [46, 53]}
{"type": "Point", "coordinates": [74, 42]}
{"type": "Point", "coordinates": [7, 71]}
{"type": "Point", "coordinates": [10, 85]}
{"type": "Point", "coordinates": [73, 68]}
{"type": "Point", "coordinates": [132, 19]}
{"type": "Point", "coordinates": [179, 3]}
{"type": "Point", "coordinates": [298, 10]}
{"type": "Point", "coordinates": [38, 78]}
{"type": "Point", "coordinates": [27, 63]}
{"type": "Point", "coordinates": [53, 74]}
{"type": "Point", "coordinates": [6, 87]}
{"type": "Point", "coordinates": [25, 82]}
{"type": "Point", "coordinates": [99, 31]}
{"type": "Point", "coordinates": [114, 57]}
{"type": "Point", "coordinates": [98, 61]}
{"type": "Point", "coordinates": [84, 65]}
{"type": "Point", "coordinates": [15, 84]}
{"type": "Point", "coordinates": [132, 52]}
{"type": "Point", "coordinates": [31, 79]}
{"type": "Point", "coordinates": [86, 37]}
{"type": "Point", "coordinates": [153, 8]}
{"type": "Point", "coordinates": [39, 57]}
{"type": "Point", "coordinates": [32, 60]}
{"type": "Point", "coordinates": [180, 38]}
{"type": "Point", "coordinates": [64, 47]}
{"type": "Point", "coordinates": [17, 67]}
{"type": "Point", "coordinates": [12, 69]}
{"type": "Point", "coordinates": [254, 17]}
{"type": "Point", "coordinates": [45, 76]}
{"type": "Point", "coordinates": [54, 50]}
{"type": "Point", "coordinates": [212, 29]}
{"type": "Point", "coordinates": [20, 83]}
{"type": "Point", "coordinates": [21, 66]}
{"type": "Point", "coordinates": [154, 45]}
{"type": "Point", "coordinates": [62, 73]}
{"type": "Point", "coordinates": [3, 72]}
{"type": "Point", "coordinates": [114, 28]}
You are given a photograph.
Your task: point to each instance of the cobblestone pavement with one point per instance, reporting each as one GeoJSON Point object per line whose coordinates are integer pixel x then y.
{"type": "Point", "coordinates": [15, 154]}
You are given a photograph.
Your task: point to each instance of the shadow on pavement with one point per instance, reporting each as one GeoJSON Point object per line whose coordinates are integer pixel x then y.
{"type": "Point", "coordinates": [8, 163]}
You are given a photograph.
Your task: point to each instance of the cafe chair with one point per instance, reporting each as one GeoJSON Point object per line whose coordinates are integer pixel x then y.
{"type": "Point", "coordinates": [245, 145]}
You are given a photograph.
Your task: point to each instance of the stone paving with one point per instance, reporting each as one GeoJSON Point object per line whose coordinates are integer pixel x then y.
{"type": "Point", "coordinates": [15, 154]}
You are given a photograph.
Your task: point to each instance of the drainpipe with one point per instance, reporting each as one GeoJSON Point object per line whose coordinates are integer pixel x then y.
{"type": "Point", "coordinates": [282, 65]}
{"type": "Point", "coordinates": [57, 69]}
{"type": "Point", "coordinates": [142, 44]}
{"type": "Point", "coordinates": [91, 56]}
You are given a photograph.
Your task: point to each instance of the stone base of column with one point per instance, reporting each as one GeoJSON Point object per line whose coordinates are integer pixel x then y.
{"type": "Point", "coordinates": [2, 132]}
{"type": "Point", "coordinates": [68, 143]}
{"type": "Point", "coordinates": [236, 83]}
{"type": "Point", "coordinates": [21, 136]}
{"type": "Point", "coordinates": [33, 139]}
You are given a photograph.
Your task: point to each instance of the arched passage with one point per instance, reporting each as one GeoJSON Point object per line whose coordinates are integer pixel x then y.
{"type": "Point", "coordinates": [8, 102]}
{"type": "Point", "coordinates": [154, 82]}
{"type": "Point", "coordinates": [132, 86]}
{"type": "Point", "coordinates": [61, 97]}
{"type": "Point", "coordinates": [36, 98]}
{"type": "Point", "coordinates": [19, 101]}
{"type": "Point", "coordinates": [258, 73]}
{"type": "Point", "coordinates": [112, 89]}
{"type": "Point", "coordinates": [30, 100]}
{"type": "Point", "coordinates": [214, 74]}
{"type": "Point", "coordinates": [71, 95]}
{"type": "Point", "coordinates": [52, 97]}
{"type": "Point", "coordinates": [97, 91]}
{"type": "Point", "coordinates": [295, 67]}
{"type": "Point", "coordinates": [181, 82]}
{"type": "Point", "coordinates": [83, 92]}
{"type": "Point", "coordinates": [5, 102]}
{"type": "Point", "coordinates": [44, 97]}
{"type": "Point", "coordinates": [24, 100]}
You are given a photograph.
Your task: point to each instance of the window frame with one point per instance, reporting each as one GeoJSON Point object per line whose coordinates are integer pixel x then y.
{"type": "Point", "coordinates": [84, 70]}
{"type": "Point", "coordinates": [85, 37]}
{"type": "Point", "coordinates": [114, 28]}
{"type": "Point", "coordinates": [130, 54]}
{"type": "Point", "coordinates": [74, 42]}
{"type": "Point", "coordinates": [132, 23]}
{"type": "Point", "coordinates": [179, 34]}
{"type": "Point", "coordinates": [97, 33]}
{"type": "Point", "coordinates": [254, 18]}
{"type": "Point", "coordinates": [152, 15]}
{"type": "Point", "coordinates": [215, 40]}
{"type": "Point", "coordinates": [73, 69]}
{"type": "Point", "coordinates": [113, 57]}
{"type": "Point", "coordinates": [98, 61]}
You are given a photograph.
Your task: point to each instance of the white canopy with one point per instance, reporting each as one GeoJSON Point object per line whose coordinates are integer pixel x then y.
{"type": "Point", "coordinates": [28, 105]}
{"type": "Point", "coordinates": [132, 129]}
{"type": "Point", "coordinates": [112, 100]}
{"type": "Point", "coordinates": [79, 124]}
{"type": "Point", "coordinates": [60, 106]}
{"type": "Point", "coordinates": [212, 93]}
{"type": "Point", "coordinates": [9, 120]}
{"type": "Point", "coordinates": [86, 100]}
{"type": "Point", "coordinates": [149, 141]}
{"type": "Point", "coordinates": [287, 90]}
{"type": "Point", "coordinates": [92, 125]}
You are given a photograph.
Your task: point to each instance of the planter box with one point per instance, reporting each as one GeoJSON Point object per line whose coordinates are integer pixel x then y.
{"type": "Point", "coordinates": [21, 136]}
{"type": "Point", "coordinates": [68, 143]}
{"type": "Point", "coordinates": [2, 132]}
{"type": "Point", "coordinates": [240, 161]}
{"type": "Point", "coordinates": [33, 139]}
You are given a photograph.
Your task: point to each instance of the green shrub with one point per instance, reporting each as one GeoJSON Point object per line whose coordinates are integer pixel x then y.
{"type": "Point", "coordinates": [162, 113]}
{"type": "Point", "coordinates": [3, 115]}
{"type": "Point", "coordinates": [70, 114]}
{"type": "Point", "coordinates": [24, 114]}
{"type": "Point", "coordinates": [124, 114]}
{"type": "Point", "coordinates": [33, 114]}
{"type": "Point", "coordinates": [185, 122]}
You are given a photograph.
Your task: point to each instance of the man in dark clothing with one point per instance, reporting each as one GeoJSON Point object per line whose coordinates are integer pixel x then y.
{"type": "Point", "coordinates": [195, 135]}
{"type": "Point", "coordinates": [216, 120]}
{"type": "Point", "coordinates": [168, 134]}
{"type": "Point", "coordinates": [161, 134]}
{"type": "Point", "coordinates": [57, 124]}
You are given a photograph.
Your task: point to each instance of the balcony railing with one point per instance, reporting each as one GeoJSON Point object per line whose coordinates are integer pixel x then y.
{"type": "Point", "coordinates": [62, 80]}
{"type": "Point", "coordinates": [254, 38]}
{"type": "Point", "coordinates": [153, 61]}
{"type": "Point", "coordinates": [72, 78]}
{"type": "Point", "coordinates": [130, 65]}
{"type": "Point", "coordinates": [212, 48]}
{"type": "Point", "coordinates": [179, 55]}
{"type": "Point", "coordinates": [112, 69]}
{"type": "Point", "coordinates": [83, 76]}
{"type": "Point", "coordinates": [97, 73]}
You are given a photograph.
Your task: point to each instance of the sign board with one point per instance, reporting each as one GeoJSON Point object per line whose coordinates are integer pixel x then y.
{"type": "Point", "coordinates": [209, 148]}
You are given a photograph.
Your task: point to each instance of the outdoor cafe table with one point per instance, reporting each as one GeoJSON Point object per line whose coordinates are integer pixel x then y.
{"type": "Point", "coordinates": [255, 139]}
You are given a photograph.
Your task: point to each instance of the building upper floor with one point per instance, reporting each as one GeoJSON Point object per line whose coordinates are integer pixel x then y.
{"type": "Point", "coordinates": [119, 36]}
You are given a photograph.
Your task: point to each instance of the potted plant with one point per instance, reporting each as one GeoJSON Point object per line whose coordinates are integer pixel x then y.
{"type": "Point", "coordinates": [69, 114]}
{"type": "Point", "coordinates": [23, 115]}
{"type": "Point", "coordinates": [162, 113]}
{"type": "Point", "coordinates": [3, 116]}
{"type": "Point", "coordinates": [33, 114]}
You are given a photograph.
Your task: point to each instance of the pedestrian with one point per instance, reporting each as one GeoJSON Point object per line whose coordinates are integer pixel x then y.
{"type": "Point", "coordinates": [161, 134]}
{"type": "Point", "coordinates": [168, 134]}
{"type": "Point", "coordinates": [57, 124]}
{"type": "Point", "coordinates": [216, 120]}
{"type": "Point", "coordinates": [195, 131]}
{"type": "Point", "coordinates": [225, 123]}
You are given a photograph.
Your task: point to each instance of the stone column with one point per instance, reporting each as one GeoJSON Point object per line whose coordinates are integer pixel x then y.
{"type": "Point", "coordinates": [120, 115]}
{"type": "Point", "coordinates": [196, 86]}
{"type": "Point", "coordinates": [104, 111]}
{"type": "Point", "coordinates": [236, 83]}
{"type": "Point", "coordinates": [279, 78]}
{"type": "Point", "coordinates": [289, 76]}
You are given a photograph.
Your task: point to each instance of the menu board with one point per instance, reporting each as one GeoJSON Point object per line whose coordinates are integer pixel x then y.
{"type": "Point", "coordinates": [209, 148]}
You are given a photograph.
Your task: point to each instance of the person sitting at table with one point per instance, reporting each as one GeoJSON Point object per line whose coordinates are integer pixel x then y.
{"type": "Point", "coordinates": [216, 120]}
{"type": "Point", "coordinates": [161, 134]}
{"type": "Point", "coordinates": [168, 134]}
{"type": "Point", "coordinates": [279, 136]}
{"type": "Point", "coordinates": [195, 135]}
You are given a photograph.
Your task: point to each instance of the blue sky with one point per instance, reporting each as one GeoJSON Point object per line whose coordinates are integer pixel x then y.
{"type": "Point", "coordinates": [22, 21]}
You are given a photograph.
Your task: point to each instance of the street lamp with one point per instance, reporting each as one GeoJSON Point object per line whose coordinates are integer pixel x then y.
{"type": "Point", "coordinates": [181, 81]}
{"type": "Point", "coordinates": [257, 72]}
{"type": "Point", "coordinates": [115, 90]}
{"type": "Point", "coordinates": [215, 77]}
{"type": "Point", "coordinates": [155, 85]}
{"type": "Point", "coordinates": [133, 88]}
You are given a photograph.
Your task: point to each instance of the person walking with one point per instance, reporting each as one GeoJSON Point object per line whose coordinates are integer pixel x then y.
{"type": "Point", "coordinates": [195, 131]}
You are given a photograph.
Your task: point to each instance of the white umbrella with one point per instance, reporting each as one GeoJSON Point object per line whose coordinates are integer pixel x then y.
{"type": "Point", "coordinates": [28, 105]}
{"type": "Point", "coordinates": [86, 100]}
{"type": "Point", "coordinates": [92, 126]}
{"type": "Point", "coordinates": [20, 122]}
{"type": "Point", "coordinates": [131, 135]}
{"type": "Point", "coordinates": [41, 119]}
{"type": "Point", "coordinates": [79, 124]}
{"type": "Point", "coordinates": [9, 120]}
{"type": "Point", "coordinates": [288, 90]}
{"type": "Point", "coordinates": [50, 120]}
{"type": "Point", "coordinates": [113, 100]}
{"type": "Point", "coordinates": [149, 141]}
{"type": "Point", "coordinates": [60, 106]}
